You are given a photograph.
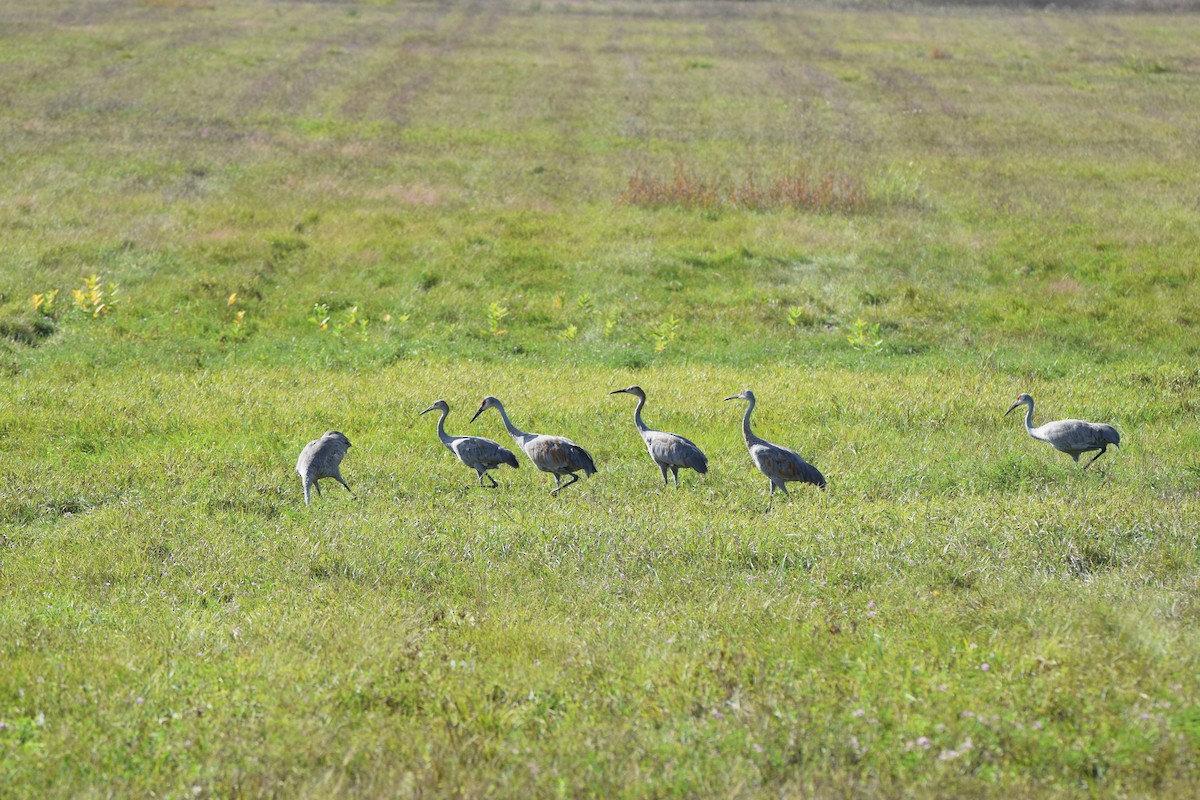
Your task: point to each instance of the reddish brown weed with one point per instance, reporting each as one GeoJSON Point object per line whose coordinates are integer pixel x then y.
{"type": "Point", "coordinates": [799, 190]}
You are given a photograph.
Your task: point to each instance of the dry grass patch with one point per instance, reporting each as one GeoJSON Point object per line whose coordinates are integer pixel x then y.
{"type": "Point", "coordinates": [797, 190]}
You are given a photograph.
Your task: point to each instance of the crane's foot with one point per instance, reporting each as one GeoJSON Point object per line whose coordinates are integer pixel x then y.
{"type": "Point", "coordinates": [574, 479]}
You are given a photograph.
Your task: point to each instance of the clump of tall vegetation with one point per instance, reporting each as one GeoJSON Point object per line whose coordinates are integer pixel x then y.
{"type": "Point", "coordinates": [797, 189]}
{"type": "Point", "coordinates": [94, 299]}
{"type": "Point", "coordinates": [347, 322]}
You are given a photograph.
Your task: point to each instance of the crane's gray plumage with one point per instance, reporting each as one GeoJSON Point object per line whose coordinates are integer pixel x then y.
{"type": "Point", "coordinates": [778, 463]}
{"type": "Point", "coordinates": [553, 454]}
{"type": "Point", "coordinates": [322, 458]}
{"type": "Point", "coordinates": [476, 452]}
{"type": "Point", "coordinates": [668, 450]}
{"type": "Point", "coordinates": [1071, 436]}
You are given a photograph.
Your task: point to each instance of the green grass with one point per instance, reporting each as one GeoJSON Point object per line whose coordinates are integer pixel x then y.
{"type": "Point", "coordinates": [963, 613]}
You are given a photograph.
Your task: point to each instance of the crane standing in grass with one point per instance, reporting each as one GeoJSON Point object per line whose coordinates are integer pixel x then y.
{"type": "Point", "coordinates": [778, 463]}
{"type": "Point", "coordinates": [1071, 436]}
{"type": "Point", "coordinates": [553, 454]}
{"type": "Point", "coordinates": [476, 452]}
{"type": "Point", "coordinates": [668, 450]}
{"type": "Point", "coordinates": [322, 458]}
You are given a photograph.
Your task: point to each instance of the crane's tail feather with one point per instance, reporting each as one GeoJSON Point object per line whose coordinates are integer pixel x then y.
{"type": "Point", "coordinates": [584, 459]}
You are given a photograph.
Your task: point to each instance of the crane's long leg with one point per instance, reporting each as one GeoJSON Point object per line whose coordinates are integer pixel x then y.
{"type": "Point", "coordinates": [317, 486]}
{"type": "Point", "coordinates": [663, 468]}
{"type": "Point", "coordinates": [490, 478]}
{"type": "Point", "coordinates": [675, 474]}
{"type": "Point", "coordinates": [1103, 450]}
{"type": "Point", "coordinates": [574, 479]}
{"type": "Point", "coordinates": [338, 478]}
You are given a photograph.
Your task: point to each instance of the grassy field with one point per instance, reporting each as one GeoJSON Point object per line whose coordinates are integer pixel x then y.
{"type": "Point", "coordinates": [228, 227]}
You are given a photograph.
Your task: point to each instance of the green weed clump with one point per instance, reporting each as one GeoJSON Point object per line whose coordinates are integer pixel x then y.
{"type": "Point", "coordinates": [346, 322]}
{"type": "Point", "coordinates": [94, 298]}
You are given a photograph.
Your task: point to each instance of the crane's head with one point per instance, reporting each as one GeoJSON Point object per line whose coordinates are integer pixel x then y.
{"type": "Point", "coordinates": [636, 391]}
{"type": "Point", "coordinates": [488, 402]}
{"type": "Point", "coordinates": [746, 394]}
{"type": "Point", "coordinates": [1022, 400]}
{"type": "Point", "coordinates": [439, 405]}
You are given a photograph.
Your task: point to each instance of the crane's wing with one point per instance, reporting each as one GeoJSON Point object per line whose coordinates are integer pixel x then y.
{"type": "Point", "coordinates": [477, 451]}
{"type": "Point", "coordinates": [306, 456]}
{"type": "Point", "coordinates": [322, 458]}
{"type": "Point", "coordinates": [675, 451]}
{"type": "Point", "coordinates": [1077, 436]}
{"type": "Point", "coordinates": [559, 454]}
{"type": "Point", "coordinates": [785, 464]}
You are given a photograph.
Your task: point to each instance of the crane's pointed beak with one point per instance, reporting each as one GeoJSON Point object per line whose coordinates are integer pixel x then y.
{"type": "Point", "coordinates": [426, 411]}
{"type": "Point", "coordinates": [1011, 408]}
{"type": "Point", "coordinates": [735, 397]}
{"type": "Point", "coordinates": [477, 413]}
{"type": "Point", "coordinates": [618, 391]}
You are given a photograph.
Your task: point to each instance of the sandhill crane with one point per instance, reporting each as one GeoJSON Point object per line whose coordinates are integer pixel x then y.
{"type": "Point", "coordinates": [553, 454]}
{"type": "Point", "coordinates": [1070, 436]}
{"type": "Point", "coordinates": [778, 463]}
{"type": "Point", "coordinates": [668, 450]}
{"type": "Point", "coordinates": [321, 458]}
{"type": "Point", "coordinates": [476, 452]}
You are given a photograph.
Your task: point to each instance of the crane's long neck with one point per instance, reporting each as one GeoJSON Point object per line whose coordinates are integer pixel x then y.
{"type": "Point", "coordinates": [637, 415]}
{"type": "Point", "coordinates": [1029, 419]}
{"type": "Point", "coordinates": [446, 439]}
{"type": "Point", "coordinates": [749, 434]}
{"type": "Point", "coordinates": [516, 433]}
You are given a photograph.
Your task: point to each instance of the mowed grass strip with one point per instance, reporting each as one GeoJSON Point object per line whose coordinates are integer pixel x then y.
{"type": "Point", "coordinates": [1025, 178]}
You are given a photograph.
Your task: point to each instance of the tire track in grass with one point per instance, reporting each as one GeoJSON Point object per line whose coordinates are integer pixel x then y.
{"type": "Point", "coordinates": [801, 77]}
{"type": "Point", "coordinates": [292, 86]}
{"type": "Point", "coordinates": [365, 91]}
{"type": "Point", "coordinates": [779, 45]}
{"type": "Point", "coordinates": [86, 15]}
{"type": "Point", "coordinates": [634, 124]}
{"type": "Point", "coordinates": [566, 94]}
{"type": "Point", "coordinates": [915, 94]}
{"type": "Point", "coordinates": [102, 70]}
{"type": "Point", "coordinates": [406, 95]}
{"type": "Point", "coordinates": [471, 22]}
